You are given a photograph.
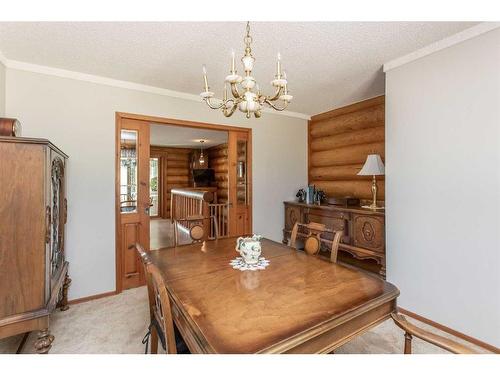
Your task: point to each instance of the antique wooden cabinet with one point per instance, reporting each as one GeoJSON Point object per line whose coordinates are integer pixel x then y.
{"type": "Point", "coordinates": [33, 211]}
{"type": "Point", "coordinates": [363, 229]}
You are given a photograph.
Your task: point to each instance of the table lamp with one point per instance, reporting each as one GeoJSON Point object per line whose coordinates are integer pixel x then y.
{"type": "Point", "coordinates": [373, 167]}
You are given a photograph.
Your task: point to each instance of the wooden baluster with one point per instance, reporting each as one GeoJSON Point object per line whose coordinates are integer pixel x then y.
{"type": "Point", "coordinates": [171, 207]}
{"type": "Point", "coordinates": [179, 207]}
{"type": "Point", "coordinates": [213, 212]}
{"type": "Point", "coordinates": [220, 220]}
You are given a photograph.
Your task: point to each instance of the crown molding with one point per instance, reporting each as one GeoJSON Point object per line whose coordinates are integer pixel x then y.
{"type": "Point", "coordinates": [464, 35]}
{"type": "Point", "coordinates": [63, 73]}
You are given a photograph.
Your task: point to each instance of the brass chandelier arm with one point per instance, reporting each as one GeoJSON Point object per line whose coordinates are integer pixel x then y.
{"type": "Point", "coordinates": [234, 91]}
{"type": "Point", "coordinates": [276, 95]}
{"type": "Point", "coordinates": [275, 107]}
{"type": "Point", "coordinates": [214, 106]}
{"type": "Point", "coordinates": [229, 113]}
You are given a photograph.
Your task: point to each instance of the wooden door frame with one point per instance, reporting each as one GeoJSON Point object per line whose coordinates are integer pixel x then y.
{"type": "Point", "coordinates": [119, 116]}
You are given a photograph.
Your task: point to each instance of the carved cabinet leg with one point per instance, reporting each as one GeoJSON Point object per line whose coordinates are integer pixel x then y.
{"type": "Point", "coordinates": [63, 304]}
{"type": "Point", "coordinates": [382, 271]}
{"type": "Point", "coordinates": [44, 341]}
{"type": "Point", "coordinates": [407, 343]}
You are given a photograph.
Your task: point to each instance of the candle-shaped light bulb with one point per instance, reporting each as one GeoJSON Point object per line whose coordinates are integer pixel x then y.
{"type": "Point", "coordinates": [205, 77]}
{"type": "Point", "coordinates": [233, 65]}
{"type": "Point", "coordinates": [278, 66]}
{"type": "Point", "coordinates": [286, 83]}
{"type": "Point", "coordinates": [258, 89]}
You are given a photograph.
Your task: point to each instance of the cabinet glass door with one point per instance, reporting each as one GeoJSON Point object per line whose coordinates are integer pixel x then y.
{"type": "Point", "coordinates": [58, 213]}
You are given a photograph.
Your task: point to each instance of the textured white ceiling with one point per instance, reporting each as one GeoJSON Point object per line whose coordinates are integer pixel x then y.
{"type": "Point", "coordinates": [178, 136]}
{"type": "Point", "coordinates": [329, 64]}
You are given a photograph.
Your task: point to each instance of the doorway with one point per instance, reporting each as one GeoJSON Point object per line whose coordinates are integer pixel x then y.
{"type": "Point", "coordinates": [187, 158]}
{"type": "Point", "coordinates": [155, 155]}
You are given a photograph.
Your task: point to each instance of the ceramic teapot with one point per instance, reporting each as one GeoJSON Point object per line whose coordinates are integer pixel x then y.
{"type": "Point", "coordinates": [249, 248]}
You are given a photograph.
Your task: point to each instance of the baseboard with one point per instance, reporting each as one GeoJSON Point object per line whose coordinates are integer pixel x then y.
{"type": "Point", "coordinates": [90, 298]}
{"type": "Point", "coordinates": [451, 331]}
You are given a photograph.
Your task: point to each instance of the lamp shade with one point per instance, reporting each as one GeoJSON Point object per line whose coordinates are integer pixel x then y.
{"type": "Point", "coordinates": [373, 166]}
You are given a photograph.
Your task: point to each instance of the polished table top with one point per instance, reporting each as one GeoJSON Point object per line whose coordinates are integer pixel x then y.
{"type": "Point", "coordinates": [253, 311]}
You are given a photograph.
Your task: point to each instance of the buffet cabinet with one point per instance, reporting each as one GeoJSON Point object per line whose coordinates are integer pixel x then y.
{"type": "Point", "coordinates": [33, 212]}
{"type": "Point", "coordinates": [363, 229]}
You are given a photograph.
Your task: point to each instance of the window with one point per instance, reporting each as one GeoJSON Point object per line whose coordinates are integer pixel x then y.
{"type": "Point", "coordinates": [128, 171]}
{"type": "Point", "coordinates": [154, 186]}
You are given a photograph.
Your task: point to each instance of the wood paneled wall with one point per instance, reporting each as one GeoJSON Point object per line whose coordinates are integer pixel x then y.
{"type": "Point", "coordinates": [217, 159]}
{"type": "Point", "coordinates": [175, 165]}
{"type": "Point", "coordinates": [339, 142]}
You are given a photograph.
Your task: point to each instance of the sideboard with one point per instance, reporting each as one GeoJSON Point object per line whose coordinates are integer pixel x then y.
{"type": "Point", "coordinates": [363, 229]}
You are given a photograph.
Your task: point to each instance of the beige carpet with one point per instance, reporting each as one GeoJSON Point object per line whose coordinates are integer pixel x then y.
{"type": "Point", "coordinates": [117, 324]}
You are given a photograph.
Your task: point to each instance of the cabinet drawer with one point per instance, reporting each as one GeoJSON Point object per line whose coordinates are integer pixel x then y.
{"type": "Point", "coordinates": [369, 232]}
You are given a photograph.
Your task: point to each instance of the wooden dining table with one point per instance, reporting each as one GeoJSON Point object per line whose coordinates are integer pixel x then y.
{"type": "Point", "coordinates": [298, 304]}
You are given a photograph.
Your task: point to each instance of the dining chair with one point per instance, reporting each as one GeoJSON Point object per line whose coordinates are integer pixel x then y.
{"type": "Point", "coordinates": [194, 228]}
{"type": "Point", "coordinates": [161, 322]}
{"type": "Point", "coordinates": [443, 342]}
{"type": "Point", "coordinates": [315, 235]}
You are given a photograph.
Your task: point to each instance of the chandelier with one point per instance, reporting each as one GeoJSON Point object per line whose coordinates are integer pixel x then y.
{"type": "Point", "coordinates": [249, 98]}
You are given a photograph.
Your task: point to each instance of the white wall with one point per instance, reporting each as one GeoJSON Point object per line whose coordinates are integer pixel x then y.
{"type": "Point", "coordinates": [443, 185]}
{"type": "Point", "coordinates": [2, 89]}
{"type": "Point", "coordinates": [79, 117]}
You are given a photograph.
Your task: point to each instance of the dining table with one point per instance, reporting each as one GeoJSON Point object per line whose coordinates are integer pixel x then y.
{"type": "Point", "coordinates": [297, 304]}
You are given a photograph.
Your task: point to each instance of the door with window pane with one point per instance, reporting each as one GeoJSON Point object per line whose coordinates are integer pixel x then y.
{"type": "Point", "coordinates": [133, 170]}
{"type": "Point", "coordinates": [240, 183]}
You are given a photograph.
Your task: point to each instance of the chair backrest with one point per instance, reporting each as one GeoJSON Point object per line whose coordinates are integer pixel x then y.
{"type": "Point", "coordinates": [159, 303]}
{"type": "Point", "coordinates": [194, 229]}
{"type": "Point", "coordinates": [162, 310]}
{"type": "Point", "coordinates": [314, 235]}
{"type": "Point", "coordinates": [443, 342]}
{"type": "Point", "coordinates": [145, 260]}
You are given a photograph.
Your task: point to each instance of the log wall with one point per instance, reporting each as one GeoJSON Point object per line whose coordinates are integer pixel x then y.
{"type": "Point", "coordinates": [175, 164]}
{"type": "Point", "coordinates": [339, 142]}
{"type": "Point", "coordinates": [217, 159]}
